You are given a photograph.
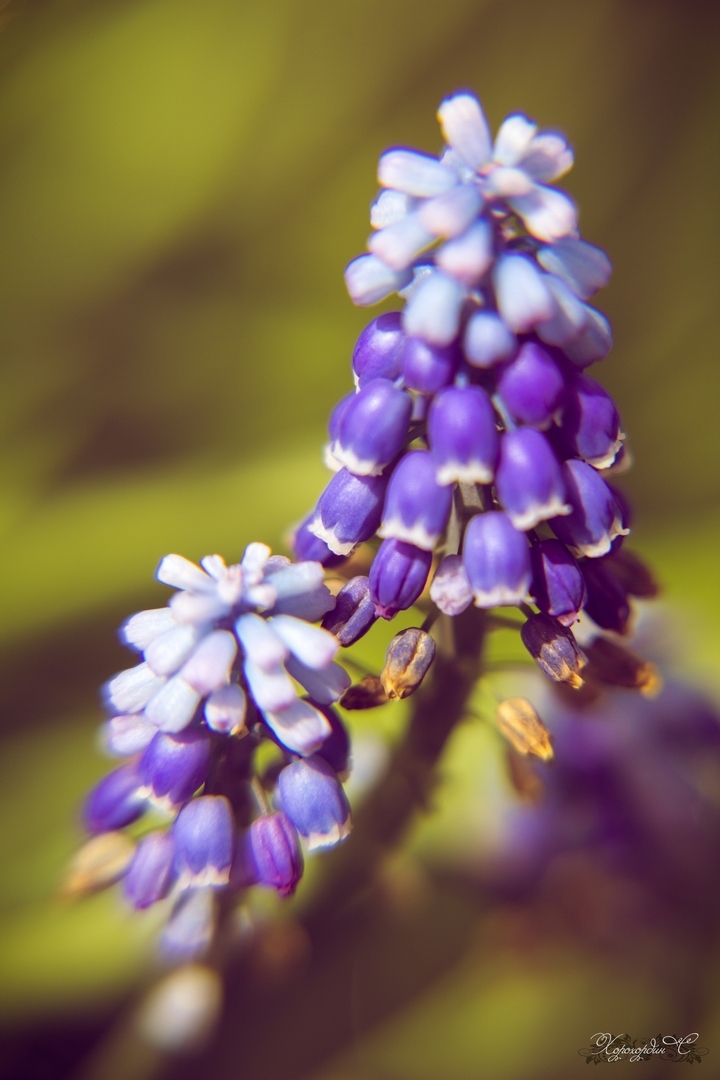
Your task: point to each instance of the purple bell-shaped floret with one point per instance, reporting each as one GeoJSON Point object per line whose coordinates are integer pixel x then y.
{"type": "Point", "coordinates": [463, 436]}
{"type": "Point", "coordinates": [115, 801]}
{"type": "Point", "coordinates": [174, 766]}
{"type": "Point", "coordinates": [349, 511]}
{"type": "Point", "coordinates": [204, 839]}
{"type": "Point", "coordinates": [378, 351]}
{"type": "Point", "coordinates": [274, 850]}
{"type": "Point", "coordinates": [310, 548]}
{"type": "Point", "coordinates": [497, 560]}
{"type": "Point", "coordinates": [532, 386]}
{"type": "Point", "coordinates": [150, 873]}
{"type": "Point", "coordinates": [397, 576]}
{"type": "Point", "coordinates": [373, 428]}
{"type": "Point", "coordinates": [596, 519]}
{"type": "Point", "coordinates": [558, 585]}
{"type": "Point", "coordinates": [417, 508]}
{"type": "Point", "coordinates": [313, 798]}
{"type": "Point", "coordinates": [529, 482]}
{"type": "Point", "coordinates": [590, 423]}
{"type": "Point", "coordinates": [427, 368]}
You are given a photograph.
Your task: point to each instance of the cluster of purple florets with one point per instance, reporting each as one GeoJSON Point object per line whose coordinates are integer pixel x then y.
{"type": "Point", "coordinates": [220, 673]}
{"type": "Point", "coordinates": [474, 400]}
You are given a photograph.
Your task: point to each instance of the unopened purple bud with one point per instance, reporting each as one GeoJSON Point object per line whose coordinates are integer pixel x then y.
{"type": "Point", "coordinates": [373, 428]}
{"type": "Point", "coordinates": [353, 614]}
{"type": "Point", "coordinates": [532, 386]}
{"type": "Point", "coordinates": [349, 511]}
{"type": "Point", "coordinates": [451, 590]}
{"type": "Point", "coordinates": [463, 438]}
{"type": "Point", "coordinates": [115, 801]}
{"type": "Point", "coordinates": [529, 482]}
{"type": "Point", "coordinates": [417, 508]}
{"type": "Point", "coordinates": [275, 850]}
{"type": "Point", "coordinates": [590, 423]}
{"type": "Point", "coordinates": [558, 585]}
{"type": "Point", "coordinates": [313, 799]}
{"type": "Point", "coordinates": [378, 352]}
{"type": "Point", "coordinates": [203, 834]}
{"type": "Point", "coordinates": [497, 560]}
{"type": "Point", "coordinates": [397, 576]}
{"type": "Point", "coordinates": [150, 873]}
{"type": "Point", "coordinates": [607, 601]}
{"type": "Point", "coordinates": [174, 766]}
{"type": "Point", "coordinates": [427, 368]}
{"type": "Point", "coordinates": [554, 649]}
{"type": "Point", "coordinates": [595, 519]}
{"type": "Point", "coordinates": [488, 340]}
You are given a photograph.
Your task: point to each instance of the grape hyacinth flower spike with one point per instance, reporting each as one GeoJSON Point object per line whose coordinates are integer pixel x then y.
{"type": "Point", "coordinates": [233, 659]}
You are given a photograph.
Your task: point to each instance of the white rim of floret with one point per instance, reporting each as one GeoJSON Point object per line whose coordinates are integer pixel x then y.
{"type": "Point", "coordinates": [418, 535]}
{"type": "Point", "coordinates": [528, 519]}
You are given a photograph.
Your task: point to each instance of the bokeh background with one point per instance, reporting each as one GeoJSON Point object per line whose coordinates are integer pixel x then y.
{"type": "Point", "coordinates": [181, 185]}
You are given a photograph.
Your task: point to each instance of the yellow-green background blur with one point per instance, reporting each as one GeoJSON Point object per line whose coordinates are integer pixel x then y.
{"type": "Point", "coordinates": [181, 185]}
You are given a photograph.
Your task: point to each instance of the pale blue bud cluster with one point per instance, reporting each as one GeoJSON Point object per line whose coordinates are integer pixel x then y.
{"type": "Point", "coordinates": [223, 667]}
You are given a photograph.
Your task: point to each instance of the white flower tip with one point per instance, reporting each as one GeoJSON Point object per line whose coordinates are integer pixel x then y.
{"type": "Point", "coordinates": [465, 128]}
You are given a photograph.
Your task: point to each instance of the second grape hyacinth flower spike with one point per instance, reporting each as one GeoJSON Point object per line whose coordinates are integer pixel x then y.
{"type": "Point", "coordinates": [223, 668]}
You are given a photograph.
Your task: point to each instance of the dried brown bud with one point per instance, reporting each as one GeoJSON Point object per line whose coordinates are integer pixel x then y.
{"type": "Point", "coordinates": [636, 578]}
{"type": "Point", "coordinates": [554, 649]}
{"type": "Point", "coordinates": [407, 661]}
{"type": "Point", "coordinates": [617, 666]}
{"type": "Point", "coordinates": [99, 863]}
{"type": "Point", "coordinates": [367, 694]}
{"type": "Point", "coordinates": [523, 728]}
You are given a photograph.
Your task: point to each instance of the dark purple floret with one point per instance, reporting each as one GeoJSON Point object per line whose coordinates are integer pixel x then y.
{"type": "Point", "coordinates": [596, 518]}
{"type": "Point", "coordinates": [529, 483]}
{"type": "Point", "coordinates": [310, 548]}
{"type": "Point", "coordinates": [204, 839]}
{"type": "Point", "coordinates": [373, 427]}
{"type": "Point", "coordinates": [607, 601]}
{"type": "Point", "coordinates": [532, 386]}
{"type": "Point", "coordinates": [313, 799]}
{"type": "Point", "coordinates": [427, 368]}
{"type": "Point", "coordinates": [173, 767]}
{"type": "Point", "coordinates": [590, 423]}
{"type": "Point", "coordinates": [378, 352]}
{"type": "Point", "coordinates": [274, 847]}
{"type": "Point", "coordinates": [558, 585]}
{"type": "Point", "coordinates": [349, 511]}
{"type": "Point", "coordinates": [150, 874]}
{"type": "Point", "coordinates": [353, 614]}
{"type": "Point", "coordinates": [397, 576]}
{"type": "Point", "coordinates": [115, 801]}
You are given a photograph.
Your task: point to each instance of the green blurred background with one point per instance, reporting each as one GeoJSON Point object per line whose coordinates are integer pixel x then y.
{"type": "Point", "coordinates": [181, 185]}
